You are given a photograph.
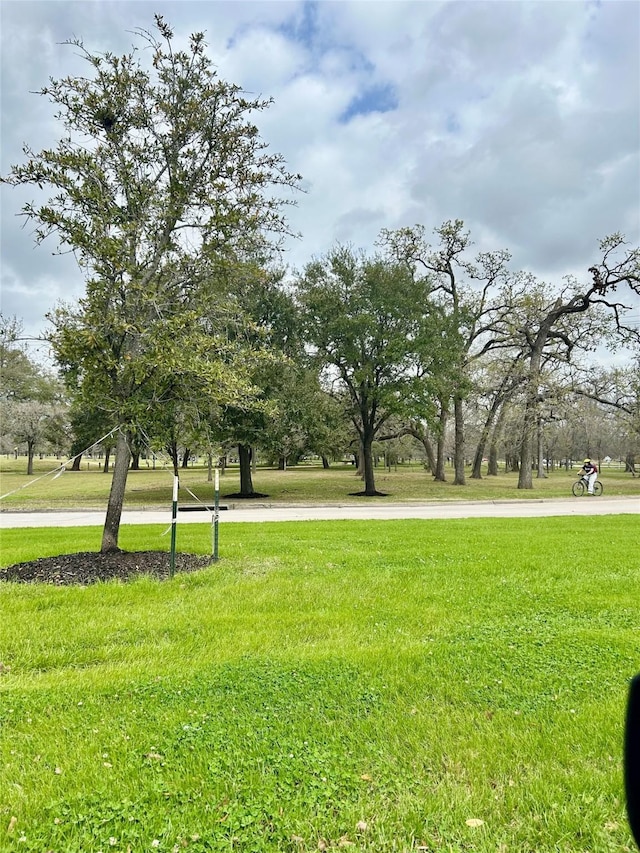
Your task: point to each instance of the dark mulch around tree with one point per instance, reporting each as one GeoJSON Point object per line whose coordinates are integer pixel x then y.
{"type": "Point", "coordinates": [245, 497]}
{"type": "Point", "coordinates": [91, 567]}
{"type": "Point", "coordinates": [369, 494]}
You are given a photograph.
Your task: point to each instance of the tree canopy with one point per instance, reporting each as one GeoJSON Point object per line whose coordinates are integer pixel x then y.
{"type": "Point", "coordinates": [373, 330]}
{"type": "Point", "coordinates": [161, 181]}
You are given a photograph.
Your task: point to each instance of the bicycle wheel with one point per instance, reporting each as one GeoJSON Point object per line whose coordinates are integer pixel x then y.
{"type": "Point", "coordinates": [578, 489]}
{"type": "Point", "coordinates": [598, 488]}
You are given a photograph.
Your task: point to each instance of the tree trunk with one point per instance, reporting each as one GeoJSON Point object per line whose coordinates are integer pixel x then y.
{"type": "Point", "coordinates": [630, 464]}
{"type": "Point", "coordinates": [135, 460]}
{"type": "Point", "coordinates": [367, 465]}
{"type": "Point", "coordinates": [492, 469]}
{"type": "Point", "coordinates": [209, 467]}
{"type": "Point", "coordinates": [358, 462]}
{"type": "Point", "coordinates": [30, 454]}
{"type": "Point", "coordinates": [458, 452]}
{"type": "Point", "coordinates": [325, 462]}
{"type": "Point", "coordinates": [511, 462]}
{"type": "Point", "coordinates": [116, 496]}
{"type": "Point", "coordinates": [172, 448]}
{"type": "Point", "coordinates": [439, 473]}
{"type": "Point", "coordinates": [525, 477]}
{"type": "Point", "coordinates": [76, 462]}
{"type": "Point", "coordinates": [476, 468]}
{"type": "Point", "coordinates": [476, 473]}
{"type": "Point", "coordinates": [420, 434]}
{"type": "Point", "coordinates": [492, 466]}
{"type": "Point", "coordinates": [107, 457]}
{"type": "Point", "coordinates": [185, 457]}
{"type": "Point", "coordinates": [541, 475]}
{"type": "Point", "coordinates": [246, 481]}
{"type": "Point", "coordinates": [431, 457]}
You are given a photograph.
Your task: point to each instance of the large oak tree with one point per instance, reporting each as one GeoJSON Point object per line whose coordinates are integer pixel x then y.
{"type": "Point", "coordinates": [373, 331]}
{"type": "Point", "coordinates": [554, 324]}
{"type": "Point", "coordinates": [160, 179]}
{"type": "Point", "coordinates": [469, 292]}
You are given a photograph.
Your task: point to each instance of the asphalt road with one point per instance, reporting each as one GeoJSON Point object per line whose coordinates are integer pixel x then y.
{"type": "Point", "coordinates": [255, 513]}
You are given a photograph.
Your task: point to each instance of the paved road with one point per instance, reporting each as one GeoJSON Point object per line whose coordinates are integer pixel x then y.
{"type": "Point", "coordinates": [252, 512]}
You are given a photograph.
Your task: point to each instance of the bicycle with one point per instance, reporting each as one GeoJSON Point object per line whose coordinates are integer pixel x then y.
{"type": "Point", "coordinates": [580, 487]}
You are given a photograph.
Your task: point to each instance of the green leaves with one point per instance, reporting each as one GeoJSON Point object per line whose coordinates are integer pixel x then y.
{"type": "Point", "coordinates": [174, 172]}
{"type": "Point", "coordinates": [159, 178]}
{"type": "Point", "coordinates": [371, 322]}
{"type": "Point", "coordinates": [375, 335]}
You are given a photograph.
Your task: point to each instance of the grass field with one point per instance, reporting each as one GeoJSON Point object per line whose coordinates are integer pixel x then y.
{"type": "Point", "coordinates": [371, 686]}
{"type": "Point", "coordinates": [302, 484]}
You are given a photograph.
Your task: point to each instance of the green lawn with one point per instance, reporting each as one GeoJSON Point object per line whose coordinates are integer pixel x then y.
{"type": "Point", "coordinates": [381, 686]}
{"type": "Point", "coordinates": [302, 484]}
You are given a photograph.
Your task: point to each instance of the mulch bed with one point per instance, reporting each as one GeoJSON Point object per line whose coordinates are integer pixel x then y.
{"type": "Point", "coordinates": [89, 567]}
{"type": "Point", "coordinates": [243, 496]}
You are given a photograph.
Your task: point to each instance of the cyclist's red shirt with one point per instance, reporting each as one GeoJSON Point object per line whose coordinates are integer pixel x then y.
{"type": "Point", "coordinates": [590, 469]}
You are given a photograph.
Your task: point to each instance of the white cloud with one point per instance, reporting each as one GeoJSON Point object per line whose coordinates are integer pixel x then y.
{"type": "Point", "coordinates": [522, 118]}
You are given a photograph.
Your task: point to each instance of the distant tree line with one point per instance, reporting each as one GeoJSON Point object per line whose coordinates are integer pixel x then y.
{"type": "Point", "coordinates": [191, 337]}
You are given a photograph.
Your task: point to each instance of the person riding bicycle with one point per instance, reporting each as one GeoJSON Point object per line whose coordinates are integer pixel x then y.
{"type": "Point", "coordinates": [590, 474]}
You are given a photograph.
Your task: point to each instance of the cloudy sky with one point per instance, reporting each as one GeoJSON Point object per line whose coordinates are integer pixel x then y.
{"type": "Point", "coordinates": [521, 118]}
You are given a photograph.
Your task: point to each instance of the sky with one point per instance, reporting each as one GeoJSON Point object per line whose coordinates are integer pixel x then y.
{"type": "Point", "coordinates": [520, 118]}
